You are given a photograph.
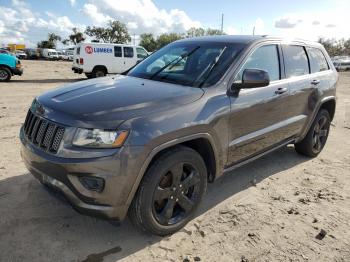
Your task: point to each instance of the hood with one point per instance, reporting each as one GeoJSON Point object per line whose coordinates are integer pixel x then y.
{"type": "Point", "coordinates": [107, 102]}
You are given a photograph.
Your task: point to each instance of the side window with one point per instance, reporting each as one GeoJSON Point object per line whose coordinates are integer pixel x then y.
{"type": "Point", "coordinates": [78, 51]}
{"type": "Point", "coordinates": [141, 53]}
{"type": "Point", "coordinates": [128, 52]}
{"type": "Point", "coordinates": [295, 60]}
{"type": "Point", "coordinates": [118, 51]}
{"type": "Point", "coordinates": [318, 62]}
{"type": "Point", "coordinates": [264, 58]}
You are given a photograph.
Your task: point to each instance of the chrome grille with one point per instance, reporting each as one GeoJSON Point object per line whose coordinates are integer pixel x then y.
{"type": "Point", "coordinates": [43, 133]}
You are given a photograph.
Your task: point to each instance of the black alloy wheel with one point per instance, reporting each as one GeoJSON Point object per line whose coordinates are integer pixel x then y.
{"type": "Point", "coordinates": [176, 194]}
{"type": "Point", "coordinates": [170, 191]}
{"type": "Point", "coordinates": [320, 134]}
{"type": "Point", "coordinates": [316, 138]}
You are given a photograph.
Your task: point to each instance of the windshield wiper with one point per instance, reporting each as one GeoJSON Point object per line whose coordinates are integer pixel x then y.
{"type": "Point", "coordinates": [209, 69]}
{"type": "Point", "coordinates": [175, 61]}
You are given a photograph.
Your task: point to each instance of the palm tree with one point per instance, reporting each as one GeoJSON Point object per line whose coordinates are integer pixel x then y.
{"type": "Point", "coordinates": [53, 38]}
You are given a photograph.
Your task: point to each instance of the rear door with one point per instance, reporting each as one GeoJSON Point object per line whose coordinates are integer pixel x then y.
{"type": "Point", "coordinates": [258, 118]}
{"type": "Point", "coordinates": [118, 60]}
{"type": "Point", "coordinates": [306, 76]}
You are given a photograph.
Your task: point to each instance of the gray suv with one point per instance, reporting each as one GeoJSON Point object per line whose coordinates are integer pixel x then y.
{"type": "Point", "coordinates": [147, 142]}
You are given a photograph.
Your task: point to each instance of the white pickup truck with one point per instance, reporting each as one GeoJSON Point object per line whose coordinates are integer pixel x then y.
{"type": "Point", "coordinates": [99, 59]}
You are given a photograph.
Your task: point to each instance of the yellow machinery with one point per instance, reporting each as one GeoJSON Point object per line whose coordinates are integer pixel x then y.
{"type": "Point", "coordinates": [14, 47]}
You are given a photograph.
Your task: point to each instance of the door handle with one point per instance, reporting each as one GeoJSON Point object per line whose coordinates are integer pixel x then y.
{"type": "Point", "coordinates": [281, 90]}
{"type": "Point", "coordinates": [315, 82]}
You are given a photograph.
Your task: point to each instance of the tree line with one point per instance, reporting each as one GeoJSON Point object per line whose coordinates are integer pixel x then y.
{"type": "Point", "coordinates": [336, 47]}
{"type": "Point", "coordinates": [116, 32]}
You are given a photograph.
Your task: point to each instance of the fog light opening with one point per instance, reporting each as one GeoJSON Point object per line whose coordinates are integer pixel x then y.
{"type": "Point", "coordinates": [92, 183]}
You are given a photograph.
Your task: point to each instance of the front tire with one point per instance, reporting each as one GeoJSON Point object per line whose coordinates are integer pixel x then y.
{"type": "Point", "coordinates": [5, 74]}
{"type": "Point", "coordinates": [317, 136]}
{"type": "Point", "coordinates": [170, 192]}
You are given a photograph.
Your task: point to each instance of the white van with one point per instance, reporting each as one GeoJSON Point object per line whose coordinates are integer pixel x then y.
{"type": "Point", "coordinates": [50, 54]}
{"type": "Point", "coordinates": [99, 59]}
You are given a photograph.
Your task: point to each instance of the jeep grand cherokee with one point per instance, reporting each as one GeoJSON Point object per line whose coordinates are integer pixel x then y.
{"type": "Point", "coordinates": [148, 142]}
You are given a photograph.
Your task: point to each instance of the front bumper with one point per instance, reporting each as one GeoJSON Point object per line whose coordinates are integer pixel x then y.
{"type": "Point", "coordinates": [17, 71]}
{"type": "Point", "coordinates": [119, 172]}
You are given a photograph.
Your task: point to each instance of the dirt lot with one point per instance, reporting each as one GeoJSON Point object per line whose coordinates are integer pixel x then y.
{"type": "Point", "coordinates": [270, 210]}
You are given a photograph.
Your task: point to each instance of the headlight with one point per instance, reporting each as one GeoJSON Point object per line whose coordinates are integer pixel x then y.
{"type": "Point", "coordinates": [99, 138]}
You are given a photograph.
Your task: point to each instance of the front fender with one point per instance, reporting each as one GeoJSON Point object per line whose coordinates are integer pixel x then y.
{"type": "Point", "coordinates": [166, 145]}
{"type": "Point", "coordinates": [206, 118]}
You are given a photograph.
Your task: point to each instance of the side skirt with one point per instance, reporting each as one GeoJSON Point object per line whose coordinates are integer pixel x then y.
{"type": "Point", "coordinates": [246, 161]}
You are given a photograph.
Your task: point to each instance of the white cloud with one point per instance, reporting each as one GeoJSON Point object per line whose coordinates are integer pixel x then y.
{"type": "Point", "coordinates": [230, 30]}
{"type": "Point", "coordinates": [96, 16]}
{"type": "Point", "coordinates": [289, 21]}
{"type": "Point", "coordinates": [312, 25]}
{"type": "Point", "coordinates": [259, 26]}
{"type": "Point", "coordinates": [18, 24]}
{"type": "Point", "coordinates": [72, 2]}
{"type": "Point", "coordinates": [141, 15]}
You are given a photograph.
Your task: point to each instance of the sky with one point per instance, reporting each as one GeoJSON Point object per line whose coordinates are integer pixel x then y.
{"type": "Point", "coordinates": [28, 22]}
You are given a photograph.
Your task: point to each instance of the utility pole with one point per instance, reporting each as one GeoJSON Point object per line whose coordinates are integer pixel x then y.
{"type": "Point", "coordinates": [134, 38]}
{"type": "Point", "coordinates": [222, 23]}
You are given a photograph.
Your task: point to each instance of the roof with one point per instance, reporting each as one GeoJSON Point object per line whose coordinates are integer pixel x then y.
{"type": "Point", "coordinates": [226, 38]}
{"type": "Point", "coordinates": [246, 39]}
{"type": "Point", "coordinates": [102, 44]}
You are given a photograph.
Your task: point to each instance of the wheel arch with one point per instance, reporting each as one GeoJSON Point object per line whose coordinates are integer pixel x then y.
{"type": "Point", "coordinates": [7, 67]}
{"type": "Point", "coordinates": [328, 103]}
{"type": "Point", "coordinates": [103, 67]}
{"type": "Point", "coordinates": [202, 143]}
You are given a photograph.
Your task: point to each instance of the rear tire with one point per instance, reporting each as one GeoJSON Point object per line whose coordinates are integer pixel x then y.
{"type": "Point", "coordinates": [5, 74]}
{"type": "Point", "coordinates": [317, 136]}
{"type": "Point", "coordinates": [98, 72]}
{"type": "Point", "coordinates": [170, 192]}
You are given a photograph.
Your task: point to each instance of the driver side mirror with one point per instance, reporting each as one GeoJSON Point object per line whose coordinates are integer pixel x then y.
{"type": "Point", "coordinates": [251, 78]}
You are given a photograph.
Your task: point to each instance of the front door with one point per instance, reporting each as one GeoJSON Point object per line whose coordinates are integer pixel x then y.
{"type": "Point", "coordinates": [258, 118]}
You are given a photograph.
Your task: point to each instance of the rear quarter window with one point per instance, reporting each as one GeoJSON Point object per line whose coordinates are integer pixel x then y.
{"type": "Point", "coordinates": [318, 62]}
{"type": "Point", "coordinates": [295, 60]}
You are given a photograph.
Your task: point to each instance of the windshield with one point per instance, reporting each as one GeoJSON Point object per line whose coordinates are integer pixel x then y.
{"type": "Point", "coordinates": [191, 64]}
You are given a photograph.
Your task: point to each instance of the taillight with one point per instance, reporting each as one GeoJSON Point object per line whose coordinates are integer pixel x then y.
{"type": "Point", "coordinates": [81, 61]}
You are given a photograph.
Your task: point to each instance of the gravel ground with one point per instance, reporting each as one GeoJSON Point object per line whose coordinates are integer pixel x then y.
{"type": "Point", "coordinates": [282, 207]}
